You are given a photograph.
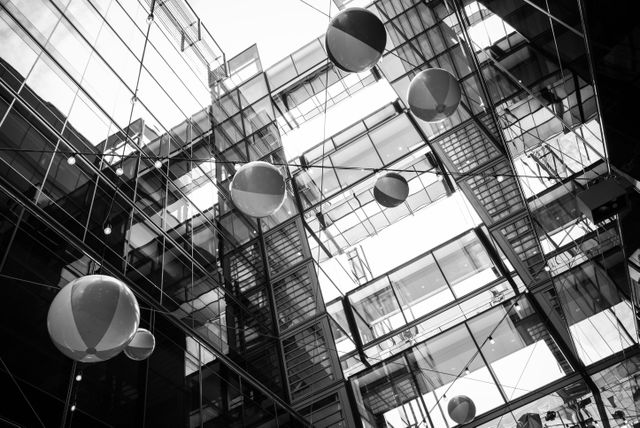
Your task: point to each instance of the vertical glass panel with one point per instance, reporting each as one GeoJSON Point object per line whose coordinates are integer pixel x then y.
{"type": "Point", "coordinates": [620, 390]}
{"type": "Point", "coordinates": [52, 86]}
{"type": "Point", "coordinates": [253, 90]}
{"type": "Point", "coordinates": [39, 16]}
{"type": "Point", "coordinates": [381, 391]}
{"type": "Point", "coordinates": [69, 48]}
{"type": "Point", "coordinates": [358, 153]}
{"type": "Point", "coordinates": [394, 139]}
{"type": "Point", "coordinates": [466, 264]}
{"type": "Point", "coordinates": [26, 170]}
{"type": "Point", "coordinates": [281, 73]}
{"type": "Point", "coordinates": [421, 287]}
{"type": "Point", "coordinates": [520, 350]}
{"type": "Point", "coordinates": [14, 49]}
{"type": "Point", "coordinates": [258, 116]}
{"type": "Point", "coordinates": [309, 56]}
{"type": "Point", "coordinates": [377, 310]}
{"type": "Point", "coordinates": [599, 319]}
{"type": "Point", "coordinates": [450, 365]}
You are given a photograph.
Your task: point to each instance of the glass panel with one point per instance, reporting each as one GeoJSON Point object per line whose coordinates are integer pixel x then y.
{"type": "Point", "coordinates": [376, 310]}
{"type": "Point", "coordinates": [15, 49]}
{"type": "Point", "coordinates": [465, 264]}
{"type": "Point", "coordinates": [450, 365]}
{"type": "Point", "coordinates": [571, 406]}
{"type": "Point", "coordinates": [599, 319]}
{"type": "Point", "coordinates": [421, 287]}
{"type": "Point", "coordinates": [520, 350]}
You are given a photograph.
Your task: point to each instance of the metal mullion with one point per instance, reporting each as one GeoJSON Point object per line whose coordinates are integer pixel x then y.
{"type": "Point", "coordinates": [55, 132]}
{"type": "Point", "coordinates": [571, 358]}
{"type": "Point", "coordinates": [353, 328]}
{"type": "Point", "coordinates": [467, 110]}
{"type": "Point", "coordinates": [367, 130]}
{"type": "Point", "coordinates": [366, 177]}
{"type": "Point", "coordinates": [420, 393]}
{"type": "Point", "coordinates": [94, 50]}
{"type": "Point", "coordinates": [135, 195]}
{"type": "Point", "coordinates": [442, 309]}
{"type": "Point", "coordinates": [553, 387]}
{"type": "Point", "coordinates": [100, 174]}
{"type": "Point", "coordinates": [446, 280]}
{"type": "Point", "coordinates": [104, 19]}
{"type": "Point", "coordinates": [55, 225]}
{"type": "Point", "coordinates": [495, 258]}
{"type": "Point", "coordinates": [268, 285]}
{"type": "Point", "coordinates": [486, 363]}
{"type": "Point", "coordinates": [80, 88]}
{"type": "Point", "coordinates": [38, 55]}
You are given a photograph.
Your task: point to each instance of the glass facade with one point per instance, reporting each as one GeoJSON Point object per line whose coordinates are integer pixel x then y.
{"type": "Point", "coordinates": [122, 125]}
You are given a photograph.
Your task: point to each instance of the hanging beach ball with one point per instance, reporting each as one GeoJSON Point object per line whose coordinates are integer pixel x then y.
{"type": "Point", "coordinates": [141, 346]}
{"type": "Point", "coordinates": [93, 318]}
{"type": "Point", "coordinates": [391, 190]}
{"type": "Point", "coordinates": [529, 420]}
{"type": "Point", "coordinates": [461, 409]}
{"type": "Point", "coordinates": [355, 40]}
{"type": "Point", "coordinates": [258, 189]}
{"type": "Point", "coordinates": [434, 94]}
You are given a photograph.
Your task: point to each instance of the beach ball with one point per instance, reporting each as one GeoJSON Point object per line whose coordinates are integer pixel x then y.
{"type": "Point", "coordinates": [391, 190]}
{"type": "Point", "coordinates": [93, 318]}
{"type": "Point", "coordinates": [529, 420]}
{"type": "Point", "coordinates": [434, 94]}
{"type": "Point", "coordinates": [258, 189]}
{"type": "Point", "coordinates": [461, 409]}
{"type": "Point", "coordinates": [355, 40]}
{"type": "Point", "coordinates": [141, 346]}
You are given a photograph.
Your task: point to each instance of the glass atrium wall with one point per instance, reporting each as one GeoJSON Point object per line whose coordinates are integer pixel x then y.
{"type": "Point", "coordinates": [121, 127]}
{"type": "Point", "coordinates": [524, 143]}
{"type": "Point", "coordinates": [107, 168]}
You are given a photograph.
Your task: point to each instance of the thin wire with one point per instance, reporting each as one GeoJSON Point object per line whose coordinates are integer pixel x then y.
{"type": "Point", "coordinates": [127, 129]}
{"type": "Point", "coordinates": [13, 424]}
{"type": "Point", "coordinates": [41, 284]}
{"type": "Point", "coordinates": [70, 391]}
{"type": "Point", "coordinates": [316, 9]}
{"type": "Point", "coordinates": [340, 167]}
{"type": "Point", "coordinates": [22, 392]}
{"type": "Point", "coordinates": [377, 359]}
{"type": "Point", "coordinates": [153, 312]}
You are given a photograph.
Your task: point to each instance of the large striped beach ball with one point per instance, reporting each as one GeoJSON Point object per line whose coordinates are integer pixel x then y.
{"type": "Point", "coordinates": [391, 190]}
{"type": "Point", "coordinates": [141, 346]}
{"type": "Point", "coordinates": [434, 94]}
{"type": "Point", "coordinates": [355, 40]}
{"type": "Point", "coordinates": [93, 318]}
{"type": "Point", "coordinates": [461, 409]}
{"type": "Point", "coordinates": [258, 189]}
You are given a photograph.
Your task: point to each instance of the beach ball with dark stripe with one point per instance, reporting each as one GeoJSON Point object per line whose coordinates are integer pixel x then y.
{"type": "Point", "coordinates": [258, 189]}
{"type": "Point", "coordinates": [355, 40]}
{"type": "Point", "coordinates": [391, 190]}
{"type": "Point", "coordinates": [93, 318]}
{"type": "Point", "coordinates": [141, 346]}
{"type": "Point", "coordinates": [461, 409]}
{"type": "Point", "coordinates": [434, 94]}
